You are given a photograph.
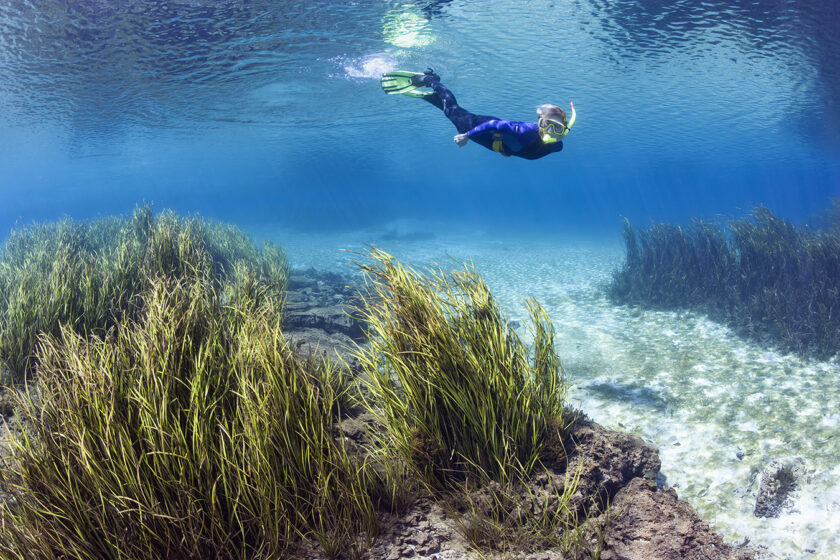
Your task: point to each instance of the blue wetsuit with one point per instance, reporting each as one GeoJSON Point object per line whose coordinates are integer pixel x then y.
{"type": "Point", "coordinates": [518, 138]}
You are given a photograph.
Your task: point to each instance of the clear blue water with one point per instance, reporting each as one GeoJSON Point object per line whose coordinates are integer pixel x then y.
{"type": "Point", "coordinates": [269, 115]}
{"type": "Point", "coordinates": [271, 112]}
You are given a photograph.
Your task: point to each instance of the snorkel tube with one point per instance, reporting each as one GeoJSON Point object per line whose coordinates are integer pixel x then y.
{"type": "Point", "coordinates": [551, 139]}
{"type": "Point", "coordinates": [572, 120]}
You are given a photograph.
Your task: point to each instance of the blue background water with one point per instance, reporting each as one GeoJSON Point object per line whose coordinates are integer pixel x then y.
{"type": "Point", "coordinates": [270, 113]}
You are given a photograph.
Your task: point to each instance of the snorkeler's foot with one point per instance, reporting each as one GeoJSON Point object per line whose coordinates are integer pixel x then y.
{"type": "Point", "coordinates": [431, 76]}
{"type": "Point", "coordinates": [425, 79]}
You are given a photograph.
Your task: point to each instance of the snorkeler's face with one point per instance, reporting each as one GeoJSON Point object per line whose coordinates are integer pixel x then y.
{"type": "Point", "coordinates": [551, 130]}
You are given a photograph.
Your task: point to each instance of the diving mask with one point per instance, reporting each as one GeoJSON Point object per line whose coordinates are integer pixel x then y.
{"type": "Point", "coordinates": [553, 130]}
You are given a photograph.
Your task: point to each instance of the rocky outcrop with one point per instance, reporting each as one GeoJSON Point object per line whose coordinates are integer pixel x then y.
{"type": "Point", "coordinates": [608, 461]}
{"type": "Point", "coordinates": [779, 480]}
{"type": "Point", "coordinates": [322, 301]}
{"type": "Point", "coordinates": [642, 522]}
{"type": "Point", "coordinates": [423, 532]}
{"type": "Point", "coordinates": [318, 319]}
{"type": "Point", "coordinates": [653, 524]}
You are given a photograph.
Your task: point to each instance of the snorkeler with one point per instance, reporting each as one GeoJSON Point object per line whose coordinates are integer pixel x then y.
{"type": "Point", "coordinates": [510, 138]}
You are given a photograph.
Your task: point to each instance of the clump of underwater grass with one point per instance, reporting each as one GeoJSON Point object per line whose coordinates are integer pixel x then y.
{"type": "Point", "coordinates": [456, 387]}
{"type": "Point", "coordinates": [87, 276]}
{"type": "Point", "coordinates": [190, 432]}
{"type": "Point", "coordinates": [675, 266]}
{"type": "Point", "coordinates": [464, 402]}
{"type": "Point", "coordinates": [520, 518]}
{"type": "Point", "coordinates": [764, 276]}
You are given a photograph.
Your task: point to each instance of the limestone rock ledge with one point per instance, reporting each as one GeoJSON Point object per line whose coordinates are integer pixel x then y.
{"type": "Point", "coordinates": [655, 524]}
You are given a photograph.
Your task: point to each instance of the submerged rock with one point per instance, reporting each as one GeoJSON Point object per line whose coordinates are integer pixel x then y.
{"type": "Point", "coordinates": [643, 521]}
{"type": "Point", "coordinates": [320, 344]}
{"type": "Point", "coordinates": [323, 301]}
{"type": "Point", "coordinates": [608, 460]}
{"type": "Point", "coordinates": [333, 319]}
{"type": "Point", "coordinates": [318, 318]}
{"type": "Point", "coordinates": [424, 532]}
{"type": "Point", "coordinates": [779, 480]}
{"type": "Point", "coordinates": [653, 524]}
{"type": "Point", "coordinates": [7, 404]}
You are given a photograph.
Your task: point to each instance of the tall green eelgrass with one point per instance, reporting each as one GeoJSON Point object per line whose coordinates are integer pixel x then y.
{"type": "Point", "coordinates": [455, 386]}
{"type": "Point", "coordinates": [190, 432]}
{"type": "Point", "coordinates": [87, 276]}
{"type": "Point", "coordinates": [767, 278]}
{"type": "Point", "coordinates": [468, 408]}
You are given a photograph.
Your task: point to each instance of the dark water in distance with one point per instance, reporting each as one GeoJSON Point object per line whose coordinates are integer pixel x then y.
{"type": "Point", "coordinates": [270, 113]}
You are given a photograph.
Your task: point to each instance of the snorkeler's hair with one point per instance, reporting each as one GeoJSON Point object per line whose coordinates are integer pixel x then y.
{"type": "Point", "coordinates": [552, 112]}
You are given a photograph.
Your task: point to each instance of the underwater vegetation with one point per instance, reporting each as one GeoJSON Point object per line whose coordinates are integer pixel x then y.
{"type": "Point", "coordinates": [168, 417]}
{"type": "Point", "coordinates": [87, 276]}
{"type": "Point", "coordinates": [767, 278]}
{"type": "Point", "coordinates": [192, 431]}
{"type": "Point", "coordinates": [465, 404]}
{"type": "Point", "coordinates": [454, 383]}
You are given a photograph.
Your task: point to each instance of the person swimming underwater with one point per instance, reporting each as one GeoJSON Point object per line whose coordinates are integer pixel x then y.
{"type": "Point", "coordinates": [510, 138]}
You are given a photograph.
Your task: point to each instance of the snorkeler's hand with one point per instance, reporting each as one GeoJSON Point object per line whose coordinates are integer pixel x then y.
{"type": "Point", "coordinates": [461, 139]}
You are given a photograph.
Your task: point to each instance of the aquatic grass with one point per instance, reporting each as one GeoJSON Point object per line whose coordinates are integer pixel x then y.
{"type": "Point", "coordinates": [518, 518]}
{"type": "Point", "coordinates": [192, 431]}
{"type": "Point", "coordinates": [467, 407]}
{"type": "Point", "coordinates": [768, 279]}
{"type": "Point", "coordinates": [87, 276]}
{"type": "Point", "coordinates": [459, 394]}
{"type": "Point", "coordinates": [674, 265]}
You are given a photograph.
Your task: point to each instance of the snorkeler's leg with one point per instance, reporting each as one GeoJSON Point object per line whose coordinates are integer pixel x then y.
{"type": "Point", "coordinates": [444, 100]}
